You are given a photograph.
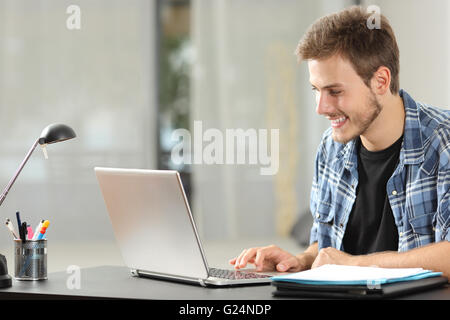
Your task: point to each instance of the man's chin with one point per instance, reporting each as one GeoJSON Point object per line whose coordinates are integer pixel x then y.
{"type": "Point", "coordinates": [342, 138]}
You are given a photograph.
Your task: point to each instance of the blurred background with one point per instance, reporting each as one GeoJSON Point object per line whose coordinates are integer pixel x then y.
{"type": "Point", "coordinates": [136, 70]}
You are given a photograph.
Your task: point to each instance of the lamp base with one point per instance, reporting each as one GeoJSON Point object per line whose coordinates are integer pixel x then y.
{"type": "Point", "coordinates": [5, 278]}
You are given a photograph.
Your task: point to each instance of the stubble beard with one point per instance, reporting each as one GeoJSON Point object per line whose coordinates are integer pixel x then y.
{"type": "Point", "coordinates": [361, 122]}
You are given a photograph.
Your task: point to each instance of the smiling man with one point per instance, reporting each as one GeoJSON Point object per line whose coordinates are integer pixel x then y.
{"type": "Point", "coordinates": [380, 193]}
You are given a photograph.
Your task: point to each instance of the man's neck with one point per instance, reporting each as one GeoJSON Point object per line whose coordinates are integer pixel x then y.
{"type": "Point", "coordinates": [388, 127]}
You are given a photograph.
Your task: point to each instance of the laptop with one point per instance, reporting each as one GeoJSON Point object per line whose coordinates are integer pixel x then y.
{"type": "Point", "coordinates": [155, 230]}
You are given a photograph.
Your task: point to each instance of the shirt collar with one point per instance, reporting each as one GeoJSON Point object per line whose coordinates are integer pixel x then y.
{"type": "Point", "coordinates": [412, 147]}
{"type": "Point", "coordinates": [412, 150]}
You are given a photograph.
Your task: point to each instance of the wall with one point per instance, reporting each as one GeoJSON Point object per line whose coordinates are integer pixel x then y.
{"type": "Point", "coordinates": [423, 35]}
{"type": "Point", "coordinates": [100, 81]}
{"type": "Point", "coordinates": [246, 76]}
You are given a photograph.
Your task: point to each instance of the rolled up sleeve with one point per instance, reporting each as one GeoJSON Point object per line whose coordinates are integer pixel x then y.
{"type": "Point", "coordinates": [444, 219]}
{"type": "Point", "coordinates": [313, 235]}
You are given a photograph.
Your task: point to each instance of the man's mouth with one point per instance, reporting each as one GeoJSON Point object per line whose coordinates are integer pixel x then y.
{"type": "Point", "coordinates": [338, 122]}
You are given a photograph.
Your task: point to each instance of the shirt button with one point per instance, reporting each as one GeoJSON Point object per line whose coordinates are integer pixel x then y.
{"type": "Point", "coordinates": [317, 216]}
{"type": "Point", "coordinates": [401, 234]}
{"type": "Point", "coordinates": [394, 193]}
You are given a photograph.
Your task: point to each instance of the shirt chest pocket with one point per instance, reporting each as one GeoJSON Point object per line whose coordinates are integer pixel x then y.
{"type": "Point", "coordinates": [423, 224]}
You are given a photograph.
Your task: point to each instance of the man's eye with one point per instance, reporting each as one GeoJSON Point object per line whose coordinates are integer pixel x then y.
{"type": "Point", "coordinates": [335, 93]}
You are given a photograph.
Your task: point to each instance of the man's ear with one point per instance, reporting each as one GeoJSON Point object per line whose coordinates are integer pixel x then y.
{"type": "Point", "coordinates": [381, 81]}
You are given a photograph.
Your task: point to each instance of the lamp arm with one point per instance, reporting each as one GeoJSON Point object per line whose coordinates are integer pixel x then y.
{"type": "Point", "coordinates": [13, 179]}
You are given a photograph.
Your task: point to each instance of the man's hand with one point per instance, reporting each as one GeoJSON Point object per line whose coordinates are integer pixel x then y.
{"type": "Point", "coordinates": [333, 256]}
{"type": "Point", "coordinates": [272, 258]}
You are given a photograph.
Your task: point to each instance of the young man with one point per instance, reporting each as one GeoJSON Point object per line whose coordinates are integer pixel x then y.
{"type": "Point", "coordinates": [380, 194]}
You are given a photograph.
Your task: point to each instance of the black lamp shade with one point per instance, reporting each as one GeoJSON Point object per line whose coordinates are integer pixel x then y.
{"type": "Point", "coordinates": [55, 133]}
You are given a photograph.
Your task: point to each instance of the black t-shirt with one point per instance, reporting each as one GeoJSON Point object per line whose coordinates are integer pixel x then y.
{"type": "Point", "coordinates": [371, 225]}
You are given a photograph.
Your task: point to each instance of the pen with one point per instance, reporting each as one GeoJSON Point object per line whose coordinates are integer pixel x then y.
{"type": "Point", "coordinates": [24, 231]}
{"type": "Point", "coordinates": [20, 232]}
{"type": "Point", "coordinates": [11, 228]}
{"type": "Point", "coordinates": [19, 223]}
{"type": "Point", "coordinates": [43, 229]}
{"type": "Point", "coordinates": [30, 232]}
{"type": "Point", "coordinates": [38, 229]}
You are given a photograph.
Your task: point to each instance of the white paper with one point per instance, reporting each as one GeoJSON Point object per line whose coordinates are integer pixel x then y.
{"type": "Point", "coordinates": [338, 273]}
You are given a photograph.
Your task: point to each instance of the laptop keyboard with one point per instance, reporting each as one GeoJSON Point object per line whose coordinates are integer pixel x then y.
{"type": "Point", "coordinates": [235, 275]}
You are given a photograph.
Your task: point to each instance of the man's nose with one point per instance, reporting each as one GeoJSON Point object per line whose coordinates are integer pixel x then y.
{"type": "Point", "coordinates": [323, 104]}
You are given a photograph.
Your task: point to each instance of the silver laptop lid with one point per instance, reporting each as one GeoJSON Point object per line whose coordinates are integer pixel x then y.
{"type": "Point", "coordinates": [148, 214]}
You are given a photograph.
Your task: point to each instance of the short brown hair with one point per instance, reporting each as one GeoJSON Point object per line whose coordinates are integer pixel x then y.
{"type": "Point", "coordinates": [346, 33]}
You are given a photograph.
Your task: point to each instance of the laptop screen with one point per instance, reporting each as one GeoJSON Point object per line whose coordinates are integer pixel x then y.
{"type": "Point", "coordinates": [152, 221]}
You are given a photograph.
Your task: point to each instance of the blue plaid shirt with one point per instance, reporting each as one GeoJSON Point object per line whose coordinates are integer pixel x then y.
{"type": "Point", "coordinates": [418, 190]}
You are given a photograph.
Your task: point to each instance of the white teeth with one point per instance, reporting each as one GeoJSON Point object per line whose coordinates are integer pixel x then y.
{"type": "Point", "coordinates": [338, 120]}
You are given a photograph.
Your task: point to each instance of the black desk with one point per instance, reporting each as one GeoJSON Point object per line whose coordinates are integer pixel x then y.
{"type": "Point", "coordinates": [114, 282]}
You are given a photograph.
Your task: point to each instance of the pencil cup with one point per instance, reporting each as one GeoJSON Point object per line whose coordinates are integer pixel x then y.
{"type": "Point", "coordinates": [30, 259]}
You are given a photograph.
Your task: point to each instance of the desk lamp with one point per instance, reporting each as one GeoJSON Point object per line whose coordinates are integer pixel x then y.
{"type": "Point", "coordinates": [51, 134]}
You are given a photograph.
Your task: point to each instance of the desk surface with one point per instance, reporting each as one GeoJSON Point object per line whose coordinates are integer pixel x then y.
{"type": "Point", "coordinates": [117, 282]}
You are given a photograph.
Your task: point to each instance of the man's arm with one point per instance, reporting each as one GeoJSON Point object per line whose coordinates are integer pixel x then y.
{"type": "Point", "coordinates": [435, 256]}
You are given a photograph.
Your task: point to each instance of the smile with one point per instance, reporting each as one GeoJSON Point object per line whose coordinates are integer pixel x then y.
{"type": "Point", "coordinates": [337, 123]}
